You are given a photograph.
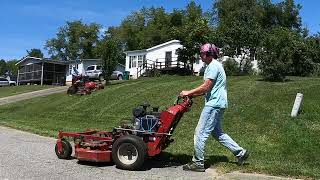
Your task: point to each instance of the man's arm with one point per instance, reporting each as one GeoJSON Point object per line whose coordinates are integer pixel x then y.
{"type": "Point", "coordinates": [203, 88]}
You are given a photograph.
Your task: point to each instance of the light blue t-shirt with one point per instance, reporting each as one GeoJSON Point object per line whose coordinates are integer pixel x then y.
{"type": "Point", "coordinates": [217, 95]}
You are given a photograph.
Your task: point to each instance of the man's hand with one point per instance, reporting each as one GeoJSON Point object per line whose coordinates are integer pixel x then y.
{"type": "Point", "coordinates": [185, 93]}
{"type": "Point", "coordinates": [202, 89]}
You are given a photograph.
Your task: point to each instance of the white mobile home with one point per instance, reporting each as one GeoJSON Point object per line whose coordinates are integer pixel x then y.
{"type": "Point", "coordinates": [163, 54]}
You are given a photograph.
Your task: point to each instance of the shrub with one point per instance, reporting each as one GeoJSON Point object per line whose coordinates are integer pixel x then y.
{"type": "Point", "coordinates": [246, 67]}
{"type": "Point", "coordinates": [284, 52]}
{"type": "Point", "coordinates": [231, 67]}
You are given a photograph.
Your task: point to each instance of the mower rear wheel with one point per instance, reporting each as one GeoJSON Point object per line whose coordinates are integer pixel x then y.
{"type": "Point", "coordinates": [128, 152]}
{"type": "Point", "coordinates": [66, 150]}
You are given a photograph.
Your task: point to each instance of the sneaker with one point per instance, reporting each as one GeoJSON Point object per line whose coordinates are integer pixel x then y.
{"type": "Point", "coordinates": [193, 167]}
{"type": "Point", "coordinates": [243, 158]}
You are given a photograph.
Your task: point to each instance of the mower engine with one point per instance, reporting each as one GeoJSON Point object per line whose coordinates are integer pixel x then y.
{"type": "Point", "coordinates": [146, 121]}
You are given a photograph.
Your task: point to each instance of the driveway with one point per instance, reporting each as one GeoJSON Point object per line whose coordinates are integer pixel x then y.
{"type": "Point", "coordinates": [29, 95]}
{"type": "Point", "coordinates": [27, 156]}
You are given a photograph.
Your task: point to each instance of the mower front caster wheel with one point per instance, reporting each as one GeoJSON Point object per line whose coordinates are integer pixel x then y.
{"type": "Point", "coordinates": [128, 152]}
{"type": "Point", "coordinates": [66, 150]}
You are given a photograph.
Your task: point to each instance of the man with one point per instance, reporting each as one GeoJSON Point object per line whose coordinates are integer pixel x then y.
{"type": "Point", "coordinates": [214, 88]}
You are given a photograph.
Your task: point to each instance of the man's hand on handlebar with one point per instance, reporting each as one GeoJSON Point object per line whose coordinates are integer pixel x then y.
{"type": "Point", "coordinates": [189, 94]}
{"type": "Point", "coordinates": [185, 93]}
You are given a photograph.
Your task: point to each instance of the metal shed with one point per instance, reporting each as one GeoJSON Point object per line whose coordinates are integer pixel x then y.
{"type": "Point", "coordinates": [32, 70]}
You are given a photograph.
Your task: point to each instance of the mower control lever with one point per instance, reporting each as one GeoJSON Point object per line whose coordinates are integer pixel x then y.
{"type": "Point", "coordinates": [185, 98]}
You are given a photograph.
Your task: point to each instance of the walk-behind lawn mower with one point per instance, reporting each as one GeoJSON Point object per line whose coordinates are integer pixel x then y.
{"type": "Point", "coordinates": [127, 145]}
{"type": "Point", "coordinates": [82, 85]}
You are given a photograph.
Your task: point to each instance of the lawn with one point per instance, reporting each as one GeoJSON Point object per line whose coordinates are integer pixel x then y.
{"type": "Point", "coordinates": [258, 118]}
{"type": "Point", "coordinates": [14, 90]}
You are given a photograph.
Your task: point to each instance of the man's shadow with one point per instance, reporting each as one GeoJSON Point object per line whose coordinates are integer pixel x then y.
{"type": "Point", "coordinates": [165, 160]}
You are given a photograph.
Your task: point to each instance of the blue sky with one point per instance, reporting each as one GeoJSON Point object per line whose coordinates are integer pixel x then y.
{"type": "Point", "coordinates": [27, 24]}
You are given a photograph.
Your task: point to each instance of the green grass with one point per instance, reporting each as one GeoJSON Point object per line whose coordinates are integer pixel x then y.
{"type": "Point", "coordinates": [14, 90]}
{"type": "Point", "coordinates": [258, 118]}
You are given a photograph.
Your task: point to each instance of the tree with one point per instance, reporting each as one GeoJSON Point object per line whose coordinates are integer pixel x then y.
{"type": "Point", "coordinates": [313, 43]}
{"type": "Point", "coordinates": [35, 53]}
{"type": "Point", "coordinates": [145, 28]}
{"type": "Point", "coordinates": [11, 66]}
{"type": "Point", "coordinates": [192, 33]}
{"type": "Point", "coordinates": [110, 52]}
{"type": "Point", "coordinates": [75, 40]}
{"type": "Point", "coordinates": [284, 52]}
{"type": "Point", "coordinates": [3, 67]}
{"type": "Point", "coordinates": [238, 28]}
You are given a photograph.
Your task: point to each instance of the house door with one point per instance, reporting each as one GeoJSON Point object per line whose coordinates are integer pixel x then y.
{"type": "Point", "coordinates": [168, 58]}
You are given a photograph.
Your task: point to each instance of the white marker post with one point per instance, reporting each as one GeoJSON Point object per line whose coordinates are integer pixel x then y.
{"type": "Point", "coordinates": [296, 105]}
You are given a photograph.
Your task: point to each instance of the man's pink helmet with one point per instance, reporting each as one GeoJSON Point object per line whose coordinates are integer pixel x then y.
{"type": "Point", "coordinates": [210, 50]}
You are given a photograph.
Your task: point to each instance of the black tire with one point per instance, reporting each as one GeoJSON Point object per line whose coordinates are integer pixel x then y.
{"type": "Point", "coordinates": [128, 152]}
{"type": "Point", "coordinates": [71, 90]}
{"type": "Point", "coordinates": [12, 84]}
{"type": "Point", "coordinates": [101, 86]}
{"type": "Point", "coordinates": [120, 77]}
{"type": "Point", "coordinates": [66, 150]}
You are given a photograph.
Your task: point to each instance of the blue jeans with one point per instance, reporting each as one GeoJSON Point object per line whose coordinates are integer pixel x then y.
{"type": "Point", "coordinates": [210, 123]}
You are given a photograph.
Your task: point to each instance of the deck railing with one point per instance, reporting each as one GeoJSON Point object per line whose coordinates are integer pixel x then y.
{"type": "Point", "coordinates": [160, 64]}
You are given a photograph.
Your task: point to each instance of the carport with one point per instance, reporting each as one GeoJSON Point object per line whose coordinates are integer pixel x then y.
{"type": "Point", "coordinates": [32, 70]}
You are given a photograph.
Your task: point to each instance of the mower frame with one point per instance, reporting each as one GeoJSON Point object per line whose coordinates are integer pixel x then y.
{"type": "Point", "coordinates": [125, 146]}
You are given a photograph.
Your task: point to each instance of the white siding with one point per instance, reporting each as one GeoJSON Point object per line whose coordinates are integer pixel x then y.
{"type": "Point", "coordinates": [133, 69]}
{"type": "Point", "coordinates": [158, 54]}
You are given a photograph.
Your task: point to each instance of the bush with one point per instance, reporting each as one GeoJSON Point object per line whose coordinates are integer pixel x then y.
{"type": "Point", "coordinates": [284, 52]}
{"type": "Point", "coordinates": [231, 67]}
{"type": "Point", "coordinates": [316, 69]}
{"type": "Point", "coordinates": [246, 67]}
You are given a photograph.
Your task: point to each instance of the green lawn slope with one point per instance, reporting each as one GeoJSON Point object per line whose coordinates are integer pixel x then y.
{"type": "Point", "coordinates": [258, 118]}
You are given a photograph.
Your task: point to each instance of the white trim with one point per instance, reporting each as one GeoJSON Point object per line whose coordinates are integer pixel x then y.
{"type": "Point", "coordinates": [163, 44]}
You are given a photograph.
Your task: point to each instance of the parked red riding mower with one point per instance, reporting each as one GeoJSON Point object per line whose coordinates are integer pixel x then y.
{"type": "Point", "coordinates": [128, 145]}
{"type": "Point", "coordinates": [82, 85]}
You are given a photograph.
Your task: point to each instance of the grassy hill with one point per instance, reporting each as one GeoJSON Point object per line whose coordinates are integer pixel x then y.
{"type": "Point", "coordinates": [258, 118]}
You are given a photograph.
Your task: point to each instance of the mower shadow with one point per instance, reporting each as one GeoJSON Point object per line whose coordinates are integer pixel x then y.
{"type": "Point", "coordinates": [166, 159]}
{"type": "Point", "coordinates": [95, 164]}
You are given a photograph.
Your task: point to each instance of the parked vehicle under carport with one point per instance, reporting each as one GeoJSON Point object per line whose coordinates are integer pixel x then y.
{"type": "Point", "coordinates": [6, 82]}
{"type": "Point", "coordinates": [95, 72]}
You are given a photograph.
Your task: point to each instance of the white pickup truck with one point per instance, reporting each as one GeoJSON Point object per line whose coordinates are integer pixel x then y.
{"type": "Point", "coordinates": [95, 72]}
{"type": "Point", "coordinates": [6, 82]}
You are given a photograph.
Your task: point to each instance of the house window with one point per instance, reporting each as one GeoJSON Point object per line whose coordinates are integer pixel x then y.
{"type": "Point", "coordinates": [140, 60]}
{"type": "Point", "coordinates": [132, 61]}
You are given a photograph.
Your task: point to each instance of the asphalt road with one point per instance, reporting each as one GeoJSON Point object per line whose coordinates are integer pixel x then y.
{"type": "Point", "coordinates": [27, 156]}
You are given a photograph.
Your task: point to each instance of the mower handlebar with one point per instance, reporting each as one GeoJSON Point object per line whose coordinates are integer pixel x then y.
{"type": "Point", "coordinates": [187, 99]}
